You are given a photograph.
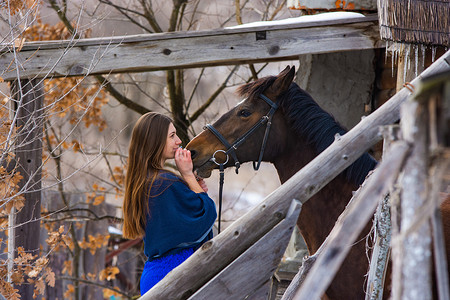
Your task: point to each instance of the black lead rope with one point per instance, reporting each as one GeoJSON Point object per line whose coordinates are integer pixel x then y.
{"type": "Point", "coordinates": [221, 181]}
{"type": "Point", "coordinates": [222, 176]}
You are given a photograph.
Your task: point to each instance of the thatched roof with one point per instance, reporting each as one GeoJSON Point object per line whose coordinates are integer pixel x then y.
{"type": "Point", "coordinates": [415, 21]}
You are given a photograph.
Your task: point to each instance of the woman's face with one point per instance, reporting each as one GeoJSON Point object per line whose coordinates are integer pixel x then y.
{"type": "Point", "coordinates": [173, 142]}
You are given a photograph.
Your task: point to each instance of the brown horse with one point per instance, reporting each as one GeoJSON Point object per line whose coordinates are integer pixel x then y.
{"type": "Point", "coordinates": [300, 131]}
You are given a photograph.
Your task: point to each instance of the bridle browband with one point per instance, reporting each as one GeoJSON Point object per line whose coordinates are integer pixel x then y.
{"type": "Point", "coordinates": [231, 149]}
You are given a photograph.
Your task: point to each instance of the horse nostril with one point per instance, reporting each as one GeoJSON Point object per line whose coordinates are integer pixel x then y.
{"type": "Point", "coordinates": [193, 154]}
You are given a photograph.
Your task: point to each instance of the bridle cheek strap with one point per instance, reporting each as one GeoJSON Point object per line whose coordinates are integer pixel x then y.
{"type": "Point", "coordinates": [231, 149]}
{"type": "Point", "coordinates": [273, 108]}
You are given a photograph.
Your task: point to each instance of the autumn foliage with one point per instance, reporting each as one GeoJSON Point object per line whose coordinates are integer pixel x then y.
{"type": "Point", "coordinates": [72, 102]}
{"type": "Point", "coordinates": [14, 6]}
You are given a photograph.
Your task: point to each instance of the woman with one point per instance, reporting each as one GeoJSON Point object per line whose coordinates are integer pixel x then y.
{"type": "Point", "coordinates": [174, 215]}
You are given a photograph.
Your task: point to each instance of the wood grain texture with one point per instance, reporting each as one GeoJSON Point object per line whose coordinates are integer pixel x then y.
{"type": "Point", "coordinates": [165, 51]}
{"type": "Point", "coordinates": [255, 266]}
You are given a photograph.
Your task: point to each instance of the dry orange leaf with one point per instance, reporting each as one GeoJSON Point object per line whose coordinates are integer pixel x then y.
{"type": "Point", "coordinates": [98, 200]}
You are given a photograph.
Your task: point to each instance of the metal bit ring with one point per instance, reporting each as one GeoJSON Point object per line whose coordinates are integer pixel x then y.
{"type": "Point", "coordinates": [213, 158]}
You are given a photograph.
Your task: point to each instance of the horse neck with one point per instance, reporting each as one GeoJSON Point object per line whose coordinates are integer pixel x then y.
{"type": "Point", "coordinates": [320, 213]}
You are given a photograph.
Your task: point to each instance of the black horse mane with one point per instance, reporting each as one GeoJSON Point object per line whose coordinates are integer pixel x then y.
{"type": "Point", "coordinates": [310, 121]}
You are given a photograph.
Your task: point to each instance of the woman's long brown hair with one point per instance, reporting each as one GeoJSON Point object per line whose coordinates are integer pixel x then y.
{"type": "Point", "coordinates": [145, 153]}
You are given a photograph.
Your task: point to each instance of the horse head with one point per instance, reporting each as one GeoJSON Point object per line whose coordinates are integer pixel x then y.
{"type": "Point", "coordinates": [237, 132]}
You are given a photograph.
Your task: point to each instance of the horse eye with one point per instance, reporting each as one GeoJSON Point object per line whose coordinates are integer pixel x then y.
{"type": "Point", "coordinates": [245, 113]}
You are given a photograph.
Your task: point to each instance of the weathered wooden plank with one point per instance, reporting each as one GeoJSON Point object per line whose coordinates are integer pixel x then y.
{"type": "Point", "coordinates": [381, 232]}
{"type": "Point", "coordinates": [255, 266]}
{"type": "Point", "coordinates": [137, 38]}
{"type": "Point", "coordinates": [411, 248]}
{"type": "Point", "coordinates": [216, 254]}
{"type": "Point", "coordinates": [190, 49]}
{"type": "Point", "coordinates": [29, 95]}
{"type": "Point", "coordinates": [351, 223]}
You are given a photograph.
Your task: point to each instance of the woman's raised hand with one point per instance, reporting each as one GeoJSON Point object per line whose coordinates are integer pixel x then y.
{"type": "Point", "coordinates": [183, 161]}
{"type": "Point", "coordinates": [184, 164]}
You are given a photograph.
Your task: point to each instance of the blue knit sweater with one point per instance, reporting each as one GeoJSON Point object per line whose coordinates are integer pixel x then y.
{"type": "Point", "coordinates": [179, 218]}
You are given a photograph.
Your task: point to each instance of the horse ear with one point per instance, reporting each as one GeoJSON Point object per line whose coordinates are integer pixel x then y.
{"type": "Point", "coordinates": [283, 81]}
{"type": "Point", "coordinates": [286, 70]}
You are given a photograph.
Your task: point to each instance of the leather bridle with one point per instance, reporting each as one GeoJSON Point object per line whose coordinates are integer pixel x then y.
{"type": "Point", "coordinates": [231, 148]}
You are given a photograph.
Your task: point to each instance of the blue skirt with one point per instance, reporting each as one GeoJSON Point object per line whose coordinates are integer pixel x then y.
{"type": "Point", "coordinates": [156, 269]}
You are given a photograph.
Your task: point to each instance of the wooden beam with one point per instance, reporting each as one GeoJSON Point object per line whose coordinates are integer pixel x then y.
{"type": "Point", "coordinates": [176, 50]}
{"type": "Point", "coordinates": [255, 266]}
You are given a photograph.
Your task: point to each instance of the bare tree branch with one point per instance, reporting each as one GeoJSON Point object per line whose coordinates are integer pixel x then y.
{"type": "Point", "coordinates": [262, 68]}
{"type": "Point", "coordinates": [110, 169]}
{"type": "Point", "coordinates": [77, 249]}
{"type": "Point", "coordinates": [62, 16]}
{"type": "Point", "coordinates": [233, 15]}
{"type": "Point", "coordinates": [253, 70]}
{"type": "Point", "coordinates": [149, 15]}
{"type": "Point", "coordinates": [194, 89]}
{"type": "Point", "coordinates": [173, 21]}
{"type": "Point", "coordinates": [277, 10]}
{"type": "Point", "coordinates": [119, 97]}
{"type": "Point", "coordinates": [192, 22]}
{"type": "Point", "coordinates": [78, 218]}
{"type": "Point", "coordinates": [213, 97]}
{"type": "Point", "coordinates": [162, 106]}
{"type": "Point", "coordinates": [238, 12]}
{"type": "Point", "coordinates": [124, 11]}
{"type": "Point", "coordinates": [176, 94]}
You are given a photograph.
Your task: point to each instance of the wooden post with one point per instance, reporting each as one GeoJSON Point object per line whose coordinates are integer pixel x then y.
{"type": "Point", "coordinates": [411, 247]}
{"type": "Point", "coordinates": [29, 102]}
{"type": "Point", "coordinates": [439, 113]}
{"type": "Point", "coordinates": [382, 232]}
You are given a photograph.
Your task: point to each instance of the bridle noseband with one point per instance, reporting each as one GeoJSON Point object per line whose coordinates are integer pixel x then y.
{"type": "Point", "coordinates": [231, 149]}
